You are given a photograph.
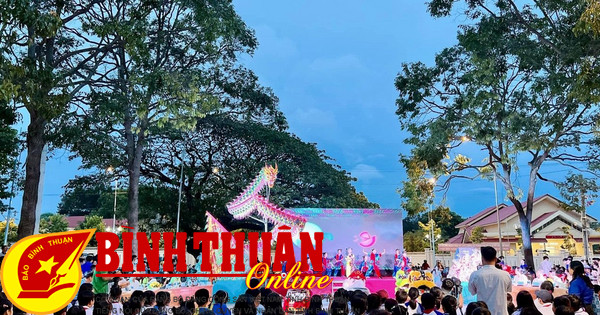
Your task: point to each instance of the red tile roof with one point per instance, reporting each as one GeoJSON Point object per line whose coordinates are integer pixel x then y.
{"type": "Point", "coordinates": [542, 218]}
{"type": "Point", "coordinates": [75, 220]}
{"type": "Point", "coordinates": [488, 215]}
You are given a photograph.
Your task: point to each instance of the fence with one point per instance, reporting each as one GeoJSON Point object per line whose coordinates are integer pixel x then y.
{"type": "Point", "coordinates": [446, 259]}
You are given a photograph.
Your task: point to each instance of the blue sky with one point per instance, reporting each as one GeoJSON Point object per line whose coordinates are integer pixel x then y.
{"type": "Point", "coordinates": [332, 64]}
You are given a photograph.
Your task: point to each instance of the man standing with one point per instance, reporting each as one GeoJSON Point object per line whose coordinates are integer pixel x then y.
{"type": "Point", "coordinates": [490, 283]}
{"type": "Point", "coordinates": [546, 266]}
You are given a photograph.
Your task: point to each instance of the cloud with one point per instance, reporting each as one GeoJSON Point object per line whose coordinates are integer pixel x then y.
{"type": "Point", "coordinates": [341, 63]}
{"type": "Point", "coordinates": [365, 172]}
{"type": "Point", "coordinates": [272, 44]}
{"type": "Point", "coordinates": [313, 117]}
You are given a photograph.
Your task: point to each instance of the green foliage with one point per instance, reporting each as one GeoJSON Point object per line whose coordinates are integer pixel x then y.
{"type": "Point", "coordinates": [238, 149]}
{"type": "Point", "coordinates": [92, 222]}
{"type": "Point", "coordinates": [12, 231]}
{"type": "Point", "coordinates": [512, 85]}
{"type": "Point", "coordinates": [53, 224]}
{"type": "Point", "coordinates": [590, 19]}
{"type": "Point", "coordinates": [578, 192]}
{"type": "Point", "coordinates": [476, 235]}
{"type": "Point", "coordinates": [46, 60]}
{"type": "Point", "coordinates": [445, 219]}
{"type": "Point", "coordinates": [177, 62]}
{"type": "Point", "coordinates": [415, 241]}
{"type": "Point", "coordinates": [569, 242]}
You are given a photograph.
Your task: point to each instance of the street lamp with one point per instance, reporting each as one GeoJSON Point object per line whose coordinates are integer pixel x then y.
{"type": "Point", "coordinates": [432, 181]}
{"type": "Point", "coordinates": [111, 170]}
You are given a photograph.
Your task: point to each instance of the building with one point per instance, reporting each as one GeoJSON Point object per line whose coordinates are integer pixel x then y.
{"type": "Point", "coordinates": [547, 234]}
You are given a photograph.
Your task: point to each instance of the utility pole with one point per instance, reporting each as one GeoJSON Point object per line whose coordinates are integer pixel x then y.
{"type": "Point", "coordinates": [498, 215]}
{"type": "Point", "coordinates": [584, 231]}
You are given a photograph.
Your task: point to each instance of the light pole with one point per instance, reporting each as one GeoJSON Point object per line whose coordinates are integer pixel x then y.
{"type": "Point", "coordinates": [498, 214]}
{"type": "Point", "coordinates": [111, 170]}
{"type": "Point", "coordinates": [432, 181]}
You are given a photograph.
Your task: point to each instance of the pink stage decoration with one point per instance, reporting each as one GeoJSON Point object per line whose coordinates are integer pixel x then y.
{"type": "Point", "coordinates": [249, 201]}
{"type": "Point", "coordinates": [365, 239]}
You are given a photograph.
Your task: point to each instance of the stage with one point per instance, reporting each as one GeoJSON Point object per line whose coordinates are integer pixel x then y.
{"type": "Point", "coordinates": [373, 285]}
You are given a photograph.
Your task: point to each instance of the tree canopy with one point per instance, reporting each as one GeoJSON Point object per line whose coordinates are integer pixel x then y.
{"type": "Point", "coordinates": [512, 87]}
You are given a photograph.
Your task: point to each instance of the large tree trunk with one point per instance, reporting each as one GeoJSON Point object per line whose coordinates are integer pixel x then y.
{"type": "Point", "coordinates": [134, 170]}
{"type": "Point", "coordinates": [35, 146]}
{"type": "Point", "coordinates": [526, 236]}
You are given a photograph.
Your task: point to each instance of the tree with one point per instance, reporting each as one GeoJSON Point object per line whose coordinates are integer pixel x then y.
{"type": "Point", "coordinates": [92, 222]}
{"type": "Point", "coordinates": [219, 160]}
{"type": "Point", "coordinates": [47, 56]}
{"type": "Point", "coordinates": [53, 224]}
{"type": "Point", "coordinates": [477, 235]}
{"type": "Point", "coordinates": [569, 243]}
{"type": "Point", "coordinates": [506, 93]}
{"type": "Point", "coordinates": [176, 62]}
{"type": "Point", "coordinates": [415, 241]}
{"type": "Point", "coordinates": [12, 230]}
{"type": "Point", "coordinates": [445, 219]}
{"type": "Point", "coordinates": [590, 19]}
{"type": "Point", "coordinates": [223, 155]}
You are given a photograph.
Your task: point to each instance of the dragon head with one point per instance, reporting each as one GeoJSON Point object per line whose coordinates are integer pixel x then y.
{"type": "Point", "coordinates": [270, 174]}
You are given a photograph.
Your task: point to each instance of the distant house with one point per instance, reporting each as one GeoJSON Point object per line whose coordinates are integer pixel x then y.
{"type": "Point", "coordinates": [74, 222]}
{"type": "Point", "coordinates": [546, 228]}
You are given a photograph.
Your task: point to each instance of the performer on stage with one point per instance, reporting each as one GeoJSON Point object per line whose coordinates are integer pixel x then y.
{"type": "Point", "coordinates": [397, 262]}
{"type": "Point", "coordinates": [405, 263]}
{"type": "Point", "coordinates": [375, 261]}
{"type": "Point", "coordinates": [349, 262]}
{"type": "Point", "coordinates": [326, 268]}
{"type": "Point", "coordinates": [338, 267]}
{"type": "Point", "coordinates": [365, 266]}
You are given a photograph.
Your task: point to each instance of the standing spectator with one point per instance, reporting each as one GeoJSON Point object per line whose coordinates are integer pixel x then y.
{"type": "Point", "coordinates": [115, 299]}
{"type": "Point", "coordinates": [203, 300]}
{"type": "Point", "coordinates": [425, 265]}
{"type": "Point", "coordinates": [358, 303]}
{"type": "Point", "coordinates": [401, 298]}
{"type": "Point", "coordinates": [86, 267]}
{"type": "Point", "coordinates": [576, 305]}
{"type": "Point", "coordinates": [510, 305]}
{"type": "Point", "coordinates": [149, 300]}
{"type": "Point", "coordinates": [546, 265]}
{"type": "Point", "coordinates": [561, 301]}
{"type": "Point", "coordinates": [449, 305]}
{"type": "Point", "coordinates": [564, 310]}
{"type": "Point", "coordinates": [337, 308]}
{"type": "Point", "coordinates": [524, 300]}
{"type": "Point", "coordinates": [413, 306]}
{"type": "Point", "coordinates": [581, 286]}
{"type": "Point", "coordinates": [428, 303]}
{"type": "Point", "coordinates": [596, 306]}
{"type": "Point", "coordinates": [273, 304]}
{"type": "Point", "coordinates": [316, 306]}
{"type": "Point", "coordinates": [100, 282]}
{"type": "Point", "coordinates": [390, 304]}
{"type": "Point", "coordinates": [86, 300]}
{"type": "Point", "coordinates": [163, 299]}
{"type": "Point", "coordinates": [245, 305]}
{"type": "Point", "coordinates": [102, 308]}
{"type": "Point", "coordinates": [491, 284]}
{"type": "Point", "coordinates": [220, 306]}
{"type": "Point", "coordinates": [544, 299]}
{"type": "Point", "coordinates": [373, 302]}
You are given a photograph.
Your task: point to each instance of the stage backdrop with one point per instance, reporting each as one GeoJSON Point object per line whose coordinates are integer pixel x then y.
{"type": "Point", "coordinates": [356, 228]}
